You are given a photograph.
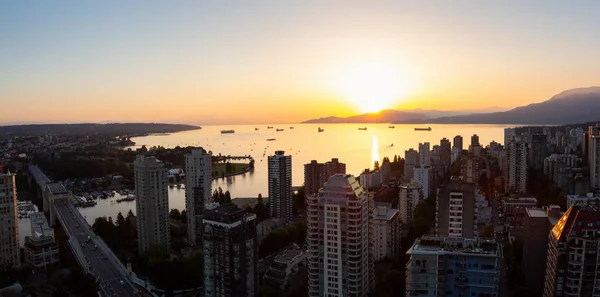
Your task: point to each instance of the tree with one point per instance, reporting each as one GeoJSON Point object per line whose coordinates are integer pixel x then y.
{"type": "Point", "coordinates": [260, 198]}
{"type": "Point", "coordinates": [175, 214]}
{"type": "Point", "coordinates": [120, 220]}
{"type": "Point", "coordinates": [184, 216]}
{"type": "Point", "coordinates": [376, 165]}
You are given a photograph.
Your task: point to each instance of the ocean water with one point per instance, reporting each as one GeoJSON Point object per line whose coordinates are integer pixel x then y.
{"type": "Point", "coordinates": [358, 149]}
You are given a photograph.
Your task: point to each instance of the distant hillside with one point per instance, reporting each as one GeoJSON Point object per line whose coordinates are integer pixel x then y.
{"type": "Point", "coordinates": [384, 116]}
{"type": "Point", "coordinates": [571, 106]}
{"type": "Point", "coordinates": [93, 129]}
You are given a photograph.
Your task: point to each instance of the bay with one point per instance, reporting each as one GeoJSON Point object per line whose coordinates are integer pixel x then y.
{"type": "Point", "coordinates": [357, 148]}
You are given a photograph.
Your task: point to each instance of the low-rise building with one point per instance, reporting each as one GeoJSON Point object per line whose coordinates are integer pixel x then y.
{"type": "Point", "coordinates": [387, 230]}
{"type": "Point", "coordinates": [582, 200]}
{"type": "Point", "coordinates": [40, 248]}
{"type": "Point", "coordinates": [453, 266]}
{"type": "Point", "coordinates": [510, 205]}
{"type": "Point", "coordinates": [285, 265]}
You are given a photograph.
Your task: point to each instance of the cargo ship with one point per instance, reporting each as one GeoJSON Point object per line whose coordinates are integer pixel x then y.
{"type": "Point", "coordinates": [227, 131]}
{"type": "Point", "coordinates": [423, 129]}
{"type": "Point", "coordinates": [363, 129]}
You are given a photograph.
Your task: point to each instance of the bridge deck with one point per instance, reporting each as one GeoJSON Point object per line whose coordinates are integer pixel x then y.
{"type": "Point", "coordinates": [100, 260]}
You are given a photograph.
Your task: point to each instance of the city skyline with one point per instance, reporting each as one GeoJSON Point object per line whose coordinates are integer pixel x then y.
{"type": "Point", "coordinates": [275, 62]}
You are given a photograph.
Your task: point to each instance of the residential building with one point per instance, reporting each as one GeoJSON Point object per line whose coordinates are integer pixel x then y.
{"type": "Point", "coordinates": [264, 228]}
{"type": "Point", "coordinates": [410, 195]}
{"type": "Point", "coordinates": [535, 243]}
{"type": "Point", "coordinates": [538, 150]}
{"type": "Point", "coordinates": [455, 154]}
{"type": "Point", "coordinates": [453, 267]}
{"type": "Point", "coordinates": [9, 223]}
{"type": "Point", "coordinates": [509, 133]}
{"type": "Point", "coordinates": [445, 154]}
{"type": "Point", "coordinates": [316, 174]}
{"type": "Point", "coordinates": [475, 140]}
{"type": "Point", "coordinates": [424, 155]}
{"type": "Point", "coordinates": [510, 206]}
{"type": "Point", "coordinates": [424, 177]}
{"type": "Point", "coordinates": [286, 264]}
{"type": "Point", "coordinates": [470, 168]}
{"type": "Point", "coordinates": [411, 160]}
{"type": "Point", "coordinates": [572, 266]}
{"type": "Point", "coordinates": [590, 198]}
{"type": "Point", "coordinates": [40, 249]}
{"type": "Point", "coordinates": [333, 167]}
{"type": "Point", "coordinates": [483, 210]}
{"type": "Point", "coordinates": [387, 232]}
{"type": "Point", "coordinates": [455, 209]}
{"type": "Point", "coordinates": [151, 204]}
{"type": "Point", "coordinates": [230, 252]}
{"type": "Point", "coordinates": [339, 239]}
{"type": "Point", "coordinates": [371, 179]}
{"type": "Point", "coordinates": [594, 161]}
{"type": "Point", "coordinates": [516, 166]}
{"type": "Point", "coordinates": [458, 143]}
{"type": "Point", "coordinates": [280, 186]}
{"type": "Point", "coordinates": [198, 191]}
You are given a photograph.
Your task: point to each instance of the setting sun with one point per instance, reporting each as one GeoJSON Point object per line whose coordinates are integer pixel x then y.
{"type": "Point", "coordinates": [372, 87]}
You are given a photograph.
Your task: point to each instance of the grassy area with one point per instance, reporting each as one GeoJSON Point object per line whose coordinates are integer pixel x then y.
{"type": "Point", "coordinates": [219, 168]}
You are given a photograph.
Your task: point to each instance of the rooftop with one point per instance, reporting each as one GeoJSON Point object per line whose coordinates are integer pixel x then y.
{"type": "Point", "coordinates": [225, 213]}
{"type": "Point", "coordinates": [39, 224]}
{"type": "Point", "coordinates": [520, 200]}
{"type": "Point", "coordinates": [453, 245]}
{"type": "Point", "coordinates": [578, 221]}
{"type": "Point", "coordinates": [288, 255]}
{"type": "Point", "coordinates": [56, 188]}
{"type": "Point", "coordinates": [385, 212]}
{"type": "Point", "coordinates": [536, 213]}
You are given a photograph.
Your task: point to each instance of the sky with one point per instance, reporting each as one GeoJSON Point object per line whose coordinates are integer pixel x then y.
{"type": "Point", "coordinates": [236, 62]}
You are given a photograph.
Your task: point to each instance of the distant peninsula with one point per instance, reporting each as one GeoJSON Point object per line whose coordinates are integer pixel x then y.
{"type": "Point", "coordinates": [571, 106]}
{"type": "Point", "coordinates": [108, 130]}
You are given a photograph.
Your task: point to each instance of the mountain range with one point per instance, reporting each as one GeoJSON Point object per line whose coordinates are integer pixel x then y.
{"type": "Point", "coordinates": [571, 106]}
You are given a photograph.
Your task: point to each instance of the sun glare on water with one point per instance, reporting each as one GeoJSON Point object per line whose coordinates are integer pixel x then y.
{"type": "Point", "coordinates": [374, 86]}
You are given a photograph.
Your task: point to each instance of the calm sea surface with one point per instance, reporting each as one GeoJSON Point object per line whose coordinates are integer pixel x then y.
{"type": "Point", "coordinates": [358, 149]}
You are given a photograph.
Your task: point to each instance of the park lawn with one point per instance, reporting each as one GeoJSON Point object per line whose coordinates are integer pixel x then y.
{"type": "Point", "coordinates": [219, 168]}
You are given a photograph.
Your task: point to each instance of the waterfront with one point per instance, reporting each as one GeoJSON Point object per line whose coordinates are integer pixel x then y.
{"type": "Point", "coordinates": [358, 149]}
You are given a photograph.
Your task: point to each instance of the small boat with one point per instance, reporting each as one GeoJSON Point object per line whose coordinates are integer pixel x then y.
{"type": "Point", "coordinates": [227, 131]}
{"type": "Point", "coordinates": [423, 129]}
{"type": "Point", "coordinates": [255, 129]}
{"type": "Point", "coordinates": [279, 130]}
{"type": "Point", "coordinates": [291, 127]}
{"type": "Point", "coordinates": [392, 144]}
{"type": "Point", "coordinates": [391, 127]}
{"type": "Point", "coordinates": [270, 139]}
{"type": "Point", "coordinates": [363, 129]}
{"type": "Point", "coordinates": [321, 130]}
{"type": "Point", "coordinates": [269, 127]}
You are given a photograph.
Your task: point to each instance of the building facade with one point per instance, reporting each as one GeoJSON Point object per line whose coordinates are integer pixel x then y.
{"type": "Point", "coordinates": [470, 168]}
{"type": "Point", "coordinates": [151, 204]}
{"type": "Point", "coordinates": [535, 243]}
{"type": "Point", "coordinates": [411, 160]}
{"type": "Point", "coordinates": [516, 166]}
{"type": "Point", "coordinates": [9, 223]}
{"type": "Point", "coordinates": [230, 252]}
{"type": "Point", "coordinates": [445, 154]}
{"type": "Point", "coordinates": [453, 267]}
{"type": "Point", "coordinates": [280, 186]}
{"type": "Point", "coordinates": [458, 143]}
{"type": "Point", "coordinates": [339, 235]}
{"type": "Point", "coordinates": [410, 195]}
{"type": "Point", "coordinates": [572, 266]}
{"type": "Point", "coordinates": [424, 154]}
{"type": "Point", "coordinates": [198, 191]}
{"type": "Point", "coordinates": [455, 209]}
{"type": "Point", "coordinates": [316, 174]}
{"type": "Point", "coordinates": [387, 232]}
{"type": "Point", "coordinates": [424, 177]}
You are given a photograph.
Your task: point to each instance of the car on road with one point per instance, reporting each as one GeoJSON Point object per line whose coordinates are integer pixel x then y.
{"type": "Point", "coordinates": [121, 282]}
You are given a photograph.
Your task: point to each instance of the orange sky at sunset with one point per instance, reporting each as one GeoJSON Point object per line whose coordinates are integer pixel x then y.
{"type": "Point", "coordinates": [208, 63]}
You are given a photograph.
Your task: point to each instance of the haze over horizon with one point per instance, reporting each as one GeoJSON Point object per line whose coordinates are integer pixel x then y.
{"type": "Point", "coordinates": [273, 62]}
